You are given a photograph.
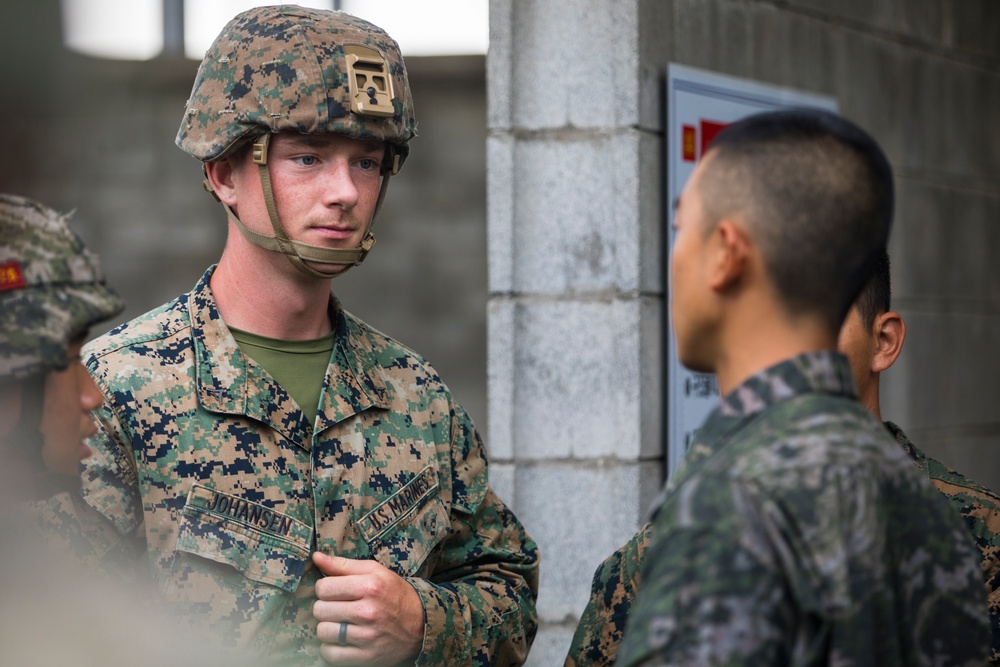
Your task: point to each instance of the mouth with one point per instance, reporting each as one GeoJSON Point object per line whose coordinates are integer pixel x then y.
{"type": "Point", "coordinates": [335, 233]}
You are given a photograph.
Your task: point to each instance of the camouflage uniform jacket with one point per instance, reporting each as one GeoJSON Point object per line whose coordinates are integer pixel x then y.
{"type": "Point", "coordinates": [788, 537]}
{"type": "Point", "coordinates": [614, 587]}
{"type": "Point", "coordinates": [208, 467]}
{"type": "Point", "coordinates": [616, 580]}
{"type": "Point", "coordinates": [980, 508]}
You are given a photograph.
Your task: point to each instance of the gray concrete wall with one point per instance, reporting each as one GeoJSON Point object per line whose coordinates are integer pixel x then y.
{"type": "Point", "coordinates": [576, 288]}
{"type": "Point", "coordinates": [575, 227]}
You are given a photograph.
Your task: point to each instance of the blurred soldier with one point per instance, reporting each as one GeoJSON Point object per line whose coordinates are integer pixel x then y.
{"type": "Point", "coordinates": [53, 611]}
{"type": "Point", "coordinates": [52, 291]}
{"type": "Point", "coordinates": [871, 338]}
{"type": "Point", "coordinates": [298, 482]}
{"type": "Point", "coordinates": [788, 536]}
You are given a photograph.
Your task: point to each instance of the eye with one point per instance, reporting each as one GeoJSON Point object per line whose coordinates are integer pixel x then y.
{"type": "Point", "coordinates": [368, 163]}
{"type": "Point", "coordinates": [306, 160]}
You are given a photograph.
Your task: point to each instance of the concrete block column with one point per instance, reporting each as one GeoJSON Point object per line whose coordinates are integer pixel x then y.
{"type": "Point", "coordinates": [575, 312]}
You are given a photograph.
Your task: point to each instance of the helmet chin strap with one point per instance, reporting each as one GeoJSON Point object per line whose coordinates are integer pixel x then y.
{"type": "Point", "coordinates": [299, 253]}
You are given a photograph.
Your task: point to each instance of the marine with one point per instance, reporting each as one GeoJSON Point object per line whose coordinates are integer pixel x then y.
{"type": "Point", "coordinates": [289, 478]}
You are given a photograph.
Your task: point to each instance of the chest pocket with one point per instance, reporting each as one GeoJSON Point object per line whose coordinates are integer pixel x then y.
{"type": "Point", "coordinates": [235, 564]}
{"type": "Point", "coordinates": [403, 530]}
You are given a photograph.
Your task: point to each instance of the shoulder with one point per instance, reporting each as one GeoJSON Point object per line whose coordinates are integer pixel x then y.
{"type": "Point", "coordinates": [815, 431]}
{"type": "Point", "coordinates": [388, 354]}
{"type": "Point", "coordinates": [135, 337]}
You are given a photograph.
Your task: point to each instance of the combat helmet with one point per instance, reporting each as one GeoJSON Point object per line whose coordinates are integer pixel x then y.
{"type": "Point", "coordinates": [52, 289]}
{"type": "Point", "coordinates": [289, 68]}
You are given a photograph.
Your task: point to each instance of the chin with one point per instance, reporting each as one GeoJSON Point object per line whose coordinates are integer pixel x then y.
{"type": "Point", "coordinates": [695, 363]}
{"type": "Point", "coordinates": [329, 268]}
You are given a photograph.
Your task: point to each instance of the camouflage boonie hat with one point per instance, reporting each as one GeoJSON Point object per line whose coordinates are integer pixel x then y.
{"type": "Point", "coordinates": [51, 289]}
{"type": "Point", "coordinates": [290, 68]}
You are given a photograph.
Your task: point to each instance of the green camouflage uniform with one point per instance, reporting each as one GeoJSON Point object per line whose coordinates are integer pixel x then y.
{"type": "Point", "coordinates": [980, 508]}
{"type": "Point", "coordinates": [616, 581]}
{"type": "Point", "coordinates": [789, 538]}
{"type": "Point", "coordinates": [602, 624]}
{"type": "Point", "coordinates": [207, 465]}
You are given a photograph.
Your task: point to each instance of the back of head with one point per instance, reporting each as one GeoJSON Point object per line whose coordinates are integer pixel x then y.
{"type": "Point", "coordinates": [816, 192]}
{"type": "Point", "coordinates": [876, 296]}
{"type": "Point", "coordinates": [51, 289]}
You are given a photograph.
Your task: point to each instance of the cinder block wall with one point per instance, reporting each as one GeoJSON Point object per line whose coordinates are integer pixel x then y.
{"type": "Point", "coordinates": [576, 306]}
{"type": "Point", "coordinates": [576, 288]}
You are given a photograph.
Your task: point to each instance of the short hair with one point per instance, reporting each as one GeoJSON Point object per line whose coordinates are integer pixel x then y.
{"type": "Point", "coordinates": [876, 296]}
{"type": "Point", "coordinates": [816, 192]}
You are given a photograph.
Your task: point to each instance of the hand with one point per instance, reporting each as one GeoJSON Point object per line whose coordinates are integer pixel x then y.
{"type": "Point", "coordinates": [384, 614]}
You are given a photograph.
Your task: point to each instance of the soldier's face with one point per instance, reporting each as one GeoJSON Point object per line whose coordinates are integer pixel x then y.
{"type": "Point", "coordinates": [325, 188]}
{"type": "Point", "coordinates": [70, 395]}
{"type": "Point", "coordinates": [690, 297]}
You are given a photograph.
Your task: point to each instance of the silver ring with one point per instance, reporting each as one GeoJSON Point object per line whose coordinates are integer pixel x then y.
{"type": "Point", "coordinates": [342, 639]}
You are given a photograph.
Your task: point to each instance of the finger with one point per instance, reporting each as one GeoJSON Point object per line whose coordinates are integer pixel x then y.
{"type": "Point", "coordinates": [336, 611]}
{"type": "Point", "coordinates": [334, 566]}
{"type": "Point", "coordinates": [329, 632]}
{"type": "Point", "coordinates": [345, 655]}
{"type": "Point", "coordinates": [342, 587]}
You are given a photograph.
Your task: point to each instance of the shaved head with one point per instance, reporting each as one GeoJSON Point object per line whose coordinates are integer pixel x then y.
{"type": "Point", "coordinates": [816, 193]}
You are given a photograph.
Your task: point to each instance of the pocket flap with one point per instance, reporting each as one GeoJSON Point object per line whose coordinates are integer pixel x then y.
{"type": "Point", "coordinates": [265, 545]}
{"type": "Point", "coordinates": [402, 530]}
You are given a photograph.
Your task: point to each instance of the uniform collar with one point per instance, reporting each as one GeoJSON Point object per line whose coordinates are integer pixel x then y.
{"type": "Point", "coordinates": [825, 371]}
{"type": "Point", "coordinates": [229, 382]}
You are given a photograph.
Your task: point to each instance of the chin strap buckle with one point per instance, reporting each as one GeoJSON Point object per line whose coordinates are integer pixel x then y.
{"type": "Point", "coordinates": [365, 246]}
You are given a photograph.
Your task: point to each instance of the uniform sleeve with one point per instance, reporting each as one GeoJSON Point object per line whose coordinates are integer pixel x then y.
{"type": "Point", "coordinates": [105, 517]}
{"type": "Point", "coordinates": [980, 510]}
{"type": "Point", "coordinates": [479, 602]}
{"type": "Point", "coordinates": [612, 593]}
{"type": "Point", "coordinates": [711, 593]}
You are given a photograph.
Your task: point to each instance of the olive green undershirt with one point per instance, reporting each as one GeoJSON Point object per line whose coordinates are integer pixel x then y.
{"type": "Point", "coordinates": [299, 366]}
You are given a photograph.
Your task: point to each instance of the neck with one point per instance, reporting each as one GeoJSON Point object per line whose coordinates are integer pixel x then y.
{"type": "Point", "coordinates": [868, 396]}
{"type": "Point", "coordinates": [762, 337]}
{"type": "Point", "coordinates": [261, 292]}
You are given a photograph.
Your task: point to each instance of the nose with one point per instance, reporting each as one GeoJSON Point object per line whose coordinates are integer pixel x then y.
{"type": "Point", "coordinates": [91, 397]}
{"type": "Point", "coordinates": [339, 188]}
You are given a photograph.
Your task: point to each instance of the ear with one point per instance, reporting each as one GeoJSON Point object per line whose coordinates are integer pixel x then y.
{"type": "Point", "coordinates": [889, 331]}
{"type": "Point", "coordinates": [221, 177]}
{"type": "Point", "coordinates": [730, 253]}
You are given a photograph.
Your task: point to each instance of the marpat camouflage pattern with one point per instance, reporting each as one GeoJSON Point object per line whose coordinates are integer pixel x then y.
{"type": "Point", "coordinates": [284, 68]}
{"type": "Point", "coordinates": [980, 509]}
{"type": "Point", "coordinates": [205, 464]}
{"type": "Point", "coordinates": [602, 624]}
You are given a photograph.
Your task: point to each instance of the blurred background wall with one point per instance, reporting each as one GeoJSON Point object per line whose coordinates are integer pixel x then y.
{"type": "Point", "coordinates": [567, 114]}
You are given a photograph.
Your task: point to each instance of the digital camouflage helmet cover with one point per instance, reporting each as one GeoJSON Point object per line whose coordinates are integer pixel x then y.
{"type": "Point", "coordinates": [52, 289]}
{"type": "Point", "coordinates": [289, 68]}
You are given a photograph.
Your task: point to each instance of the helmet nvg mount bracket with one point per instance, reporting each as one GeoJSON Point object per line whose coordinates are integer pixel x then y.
{"type": "Point", "coordinates": [288, 68]}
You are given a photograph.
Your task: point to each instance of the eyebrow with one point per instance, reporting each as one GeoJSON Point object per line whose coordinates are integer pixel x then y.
{"type": "Point", "coordinates": [676, 202]}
